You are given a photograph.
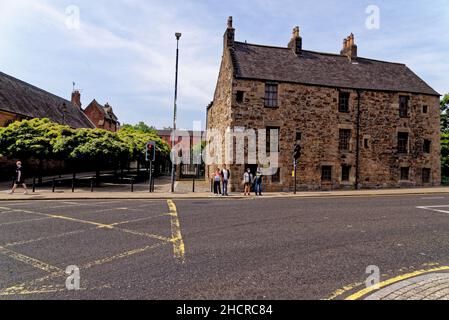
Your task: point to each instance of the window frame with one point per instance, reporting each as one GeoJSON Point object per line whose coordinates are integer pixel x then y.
{"type": "Point", "coordinates": [326, 174]}
{"type": "Point", "coordinates": [427, 146]}
{"type": "Point", "coordinates": [271, 99]}
{"type": "Point", "coordinates": [343, 101]}
{"type": "Point", "coordinates": [403, 170]}
{"type": "Point", "coordinates": [403, 149]}
{"type": "Point", "coordinates": [344, 173]}
{"type": "Point", "coordinates": [240, 96]}
{"type": "Point", "coordinates": [268, 138]}
{"type": "Point", "coordinates": [276, 177]}
{"type": "Point", "coordinates": [344, 140]}
{"type": "Point", "coordinates": [404, 107]}
{"type": "Point", "coordinates": [429, 177]}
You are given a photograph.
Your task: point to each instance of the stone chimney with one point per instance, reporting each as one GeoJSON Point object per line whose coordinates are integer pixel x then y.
{"type": "Point", "coordinates": [76, 98]}
{"type": "Point", "coordinates": [229, 36]}
{"type": "Point", "coordinates": [296, 42]}
{"type": "Point", "coordinates": [349, 48]}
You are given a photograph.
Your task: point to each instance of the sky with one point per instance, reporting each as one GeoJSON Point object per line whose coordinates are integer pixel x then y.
{"type": "Point", "coordinates": [123, 51]}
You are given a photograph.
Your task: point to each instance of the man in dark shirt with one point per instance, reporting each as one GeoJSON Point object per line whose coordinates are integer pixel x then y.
{"type": "Point", "coordinates": [19, 179]}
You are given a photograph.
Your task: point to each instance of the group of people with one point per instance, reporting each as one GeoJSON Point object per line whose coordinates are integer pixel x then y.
{"type": "Point", "coordinates": [221, 179]}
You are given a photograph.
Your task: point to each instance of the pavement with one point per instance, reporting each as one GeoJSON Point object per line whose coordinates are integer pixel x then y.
{"type": "Point", "coordinates": [266, 248]}
{"type": "Point", "coordinates": [162, 192]}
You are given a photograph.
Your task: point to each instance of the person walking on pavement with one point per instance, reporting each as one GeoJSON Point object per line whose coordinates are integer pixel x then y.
{"type": "Point", "coordinates": [258, 182]}
{"type": "Point", "coordinates": [225, 176]}
{"type": "Point", "coordinates": [217, 182]}
{"type": "Point", "coordinates": [19, 179]}
{"type": "Point", "coordinates": [247, 181]}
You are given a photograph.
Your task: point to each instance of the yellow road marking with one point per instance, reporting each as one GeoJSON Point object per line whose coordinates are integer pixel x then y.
{"type": "Point", "coordinates": [28, 287]}
{"type": "Point", "coordinates": [178, 242]}
{"type": "Point", "coordinates": [140, 220]}
{"type": "Point", "coordinates": [383, 284]}
{"type": "Point", "coordinates": [29, 260]}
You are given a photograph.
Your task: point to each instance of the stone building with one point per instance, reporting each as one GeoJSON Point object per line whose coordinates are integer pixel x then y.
{"type": "Point", "coordinates": [361, 122]}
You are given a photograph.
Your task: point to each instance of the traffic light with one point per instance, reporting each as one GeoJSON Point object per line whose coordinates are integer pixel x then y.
{"type": "Point", "coordinates": [297, 152]}
{"type": "Point", "coordinates": [151, 152]}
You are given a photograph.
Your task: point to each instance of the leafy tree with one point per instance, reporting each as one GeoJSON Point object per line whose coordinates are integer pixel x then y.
{"type": "Point", "coordinates": [142, 127]}
{"type": "Point", "coordinates": [445, 114]}
{"type": "Point", "coordinates": [136, 141]}
{"type": "Point", "coordinates": [31, 138]}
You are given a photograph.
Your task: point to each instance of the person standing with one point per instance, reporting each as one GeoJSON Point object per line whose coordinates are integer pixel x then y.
{"type": "Point", "coordinates": [247, 181]}
{"type": "Point", "coordinates": [225, 176]}
{"type": "Point", "coordinates": [258, 182]}
{"type": "Point", "coordinates": [19, 179]}
{"type": "Point", "coordinates": [217, 182]}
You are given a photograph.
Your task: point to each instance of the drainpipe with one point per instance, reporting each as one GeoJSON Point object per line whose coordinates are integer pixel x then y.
{"type": "Point", "coordinates": [357, 166]}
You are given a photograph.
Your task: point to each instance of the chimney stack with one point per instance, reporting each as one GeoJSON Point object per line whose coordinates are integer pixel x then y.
{"type": "Point", "coordinates": [229, 36]}
{"type": "Point", "coordinates": [349, 48]}
{"type": "Point", "coordinates": [76, 98]}
{"type": "Point", "coordinates": [296, 42]}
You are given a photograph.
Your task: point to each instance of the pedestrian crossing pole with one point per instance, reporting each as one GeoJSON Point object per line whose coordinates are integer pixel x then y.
{"type": "Point", "coordinates": [296, 170]}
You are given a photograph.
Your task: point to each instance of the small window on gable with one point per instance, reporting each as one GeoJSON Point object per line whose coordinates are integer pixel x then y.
{"type": "Point", "coordinates": [239, 97]}
{"type": "Point", "coordinates": [425, 109]}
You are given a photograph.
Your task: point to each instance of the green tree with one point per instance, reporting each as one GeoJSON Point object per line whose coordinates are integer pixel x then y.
{"type": "Point", "coordinates": [31, 139]}
{"type": "Point", "coordinates": [142, 127]}
{"type": "Point", "coordinates": [445, 114]}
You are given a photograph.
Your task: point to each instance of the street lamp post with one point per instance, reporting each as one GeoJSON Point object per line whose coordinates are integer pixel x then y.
{"type": "Point", "coordinates": [173, 168]}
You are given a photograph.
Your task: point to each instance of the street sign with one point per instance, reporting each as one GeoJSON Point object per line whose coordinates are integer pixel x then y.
{"type": "Point", "coordinates": [151, 152]}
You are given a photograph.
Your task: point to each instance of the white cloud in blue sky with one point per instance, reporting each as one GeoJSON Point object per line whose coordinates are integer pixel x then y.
{"type": "Point", "coordinates": [125, 49]}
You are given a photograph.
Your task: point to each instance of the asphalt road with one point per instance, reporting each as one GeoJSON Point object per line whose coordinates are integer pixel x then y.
{"type": "Point", "coordinates": [216, 249]}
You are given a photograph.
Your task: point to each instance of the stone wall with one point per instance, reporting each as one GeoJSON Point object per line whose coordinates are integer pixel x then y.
{"type": "Point", "coordinates": [314, 112]}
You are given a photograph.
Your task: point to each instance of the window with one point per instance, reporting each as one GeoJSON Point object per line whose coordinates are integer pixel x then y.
{"type": "Point", "coordinates": [427, 146]}
{"type": "Point", "coordinates": [298, 136]}
{"type": "Point", "coordinates": [366, 143]}
{"type": "Point", "coordinates": [425, 109]}
{"type": "Point", "coordinates": [345, 138]}
{"type": "Point", "coordinates": [345, 173]}
{"type": "Point", "coordinates": [271, 95]}
{"type": "Point", "coordinates": [270, 131]}
{"type": "Point", "coordinates": [240, 95]}
{"type": "Point", "coordinates": [403, 142]}
{"type": "Point", "coordinates": [326, 174]}
{"type": "Point", "coordinates": [405, 173]}
{"type": "Point", "coordinates": [403, 106]}
{"type": "Point", "coordinates": [343, 104]}
{"type": "Point", "coordinates": [276, 177]}
{"type": "Point", "coordinates": [426, 175]}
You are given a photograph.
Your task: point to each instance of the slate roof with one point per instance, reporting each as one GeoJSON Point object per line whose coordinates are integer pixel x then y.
{"type": "Point", "coordinates": [106, 110]}
{"type": "Point", "coordinates": [324, 69]}
{"type": "Point", "coordinates": [28, 101]}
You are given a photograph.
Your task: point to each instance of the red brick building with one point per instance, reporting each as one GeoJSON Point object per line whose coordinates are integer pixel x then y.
{"type": "Point", "coordinates": [103, 117]}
